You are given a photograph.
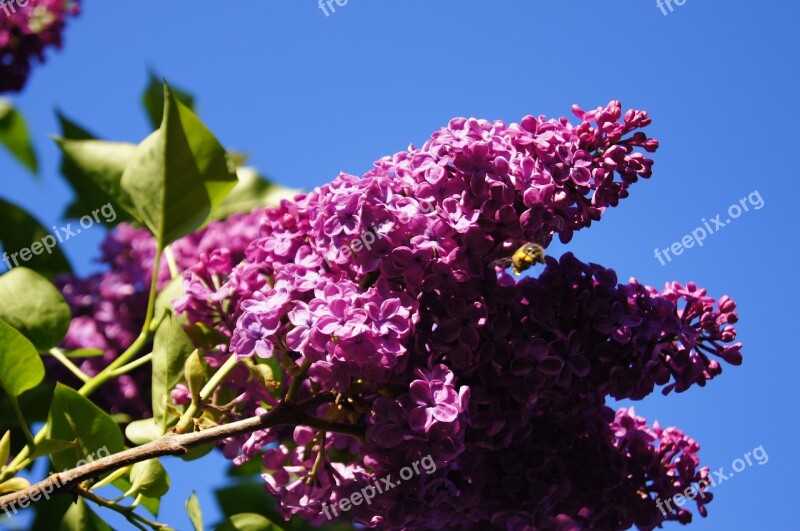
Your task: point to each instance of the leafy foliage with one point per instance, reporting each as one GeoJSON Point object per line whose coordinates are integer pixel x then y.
{"type": "Point", "coordinates": [21, 369]}
{"type": "Point", "coordinates": [15, 137]}
{"type": "Point", "coordinates": [20, 230]}
{"type": "Point", "coordinates": [90, 429]}
{"type": "Point", "coordinates": [31, 304]}
{"type": "Point", "coordinates": [178, 174]}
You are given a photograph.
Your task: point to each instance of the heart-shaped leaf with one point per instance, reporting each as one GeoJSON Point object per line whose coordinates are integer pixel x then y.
{"type": "Point", "coordinates": [32, 305]}
{"type": "Point", "coordinates": [149, 479]}
{"type": "Point", "coordinates": [143, 431]}
{"type": "Point", "coordinates": [253, 191]}
{"type": "Point", "coordinates": [19, 231]}
{"type": "Point", "coordinates": [171, 348]}
{"type": "Point", "coordinates": [178, 174]}
{"type": "Point", "coordinates": [82, 172]}
{"type": "Point", "coordinates": [21, 368]}
{"type": "Point", "coordinates": [15, 137]}
{"type": "Point", "coordinates": [247, 522]}
{"type": "Point", "coordinates": [153, 99]}
{"type": "Point", "coordinates": [80, 517]}
{"type": "Point", "coordinates": [94, 168]}
{"type": "Point", "coordinates": [74, 418]}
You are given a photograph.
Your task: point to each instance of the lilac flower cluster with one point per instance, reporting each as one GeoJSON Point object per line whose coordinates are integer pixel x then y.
{"type": "Point", "coordinates": [108, 308]}
{"type": "Point", "coordinates": [426, 347]}
{"type": "Point", "coordinates": [26, 31]}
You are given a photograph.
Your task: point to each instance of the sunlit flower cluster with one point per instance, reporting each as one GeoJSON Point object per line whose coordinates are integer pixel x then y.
{"type": "Point", "coordinates": [430, 348]}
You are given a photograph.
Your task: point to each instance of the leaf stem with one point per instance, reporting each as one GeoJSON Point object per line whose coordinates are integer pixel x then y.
{"type": "Point", "coordinates": [128, 512]}
{"type": "Point", "coordinates": [174, 272]}
{"type": "Point", "coordinates": [66, 362]}
{"type": "Point", "coordinates": [294, 387]}
{"type": "Point", "coordinates": [111, 478]}
{"type": "Point", "coordinates": [186, 419]}
{"type": "Point", "coordinates": [23, 423]}
{"type": "Point", "coordinates": [137, 345]}
{"type": "Point", "coordinates": [132, 365]}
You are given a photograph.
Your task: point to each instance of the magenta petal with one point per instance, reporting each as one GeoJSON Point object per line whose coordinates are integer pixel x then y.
{"type": "Point", "coordinates": [444, 412]}
{"type": "Point", "coordinates": [551, 366]}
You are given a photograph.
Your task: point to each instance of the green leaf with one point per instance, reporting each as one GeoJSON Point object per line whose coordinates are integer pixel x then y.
{"type": "Point", "coordinates": [13, 485]}
{"type": "Point", "coordinates": [80, 517]}
{"type": "Point", "coordinates": [149, 479]}
{"type": "Point", "coordinates": [195, 374]}
{"type": "Point", "coordinates": [153, 99]}
{"type": "Point", "coordinates": [51, 446]}
{"type": "Point", "coordinates": [171, 348]}
{"type": "Point", "coordinates": [178, 174]}
{"type": "Point", "coordinates": [32, 305]}
{"type": "Point", "coordinates": [269, 372]}
{"type": "Point", "coordinates": [170, 292]}
{"type": "Point", "coordinates": [18, 232]}
{"type": "Point", "coordinates": [247, 522]}
{"type": "Point", "coordinates": [246, 498]}
{"type": "Point", "coordinates": [196, 452]}
{"type": "Point", "coordinates": [253, 191]}
{"type": "Point", "coordinates": [94, 168]}
{"type": "Point", "coordinates": [50, 513]}
{"type": "Point", "coordinates": [151, 504]}
{"type": "Point", "coordinates": [88, 194]}
{"type": "Point", "coordinates": [193, 510]}
{"type": "Point", "coordinates": [35, 403]}
{"type": "Point", "coordinates": [72, 130]}
{"type": "Point", "coordinates": [252, 498]}
{"type": "Point", "coordinates": [249, 469]}
{"type": "Point", "coordinates": [5, 448]}
{"type": "Point", "coordinates": [21, 368]}
{"type": "Point", "coordinates": [74, 418]}
{"type": "Point", "coordinates": [143, 431]}
{"type": "Point", "coordinates": [15, 137]}
{"type": "Point", "coordinates": [205, 337]}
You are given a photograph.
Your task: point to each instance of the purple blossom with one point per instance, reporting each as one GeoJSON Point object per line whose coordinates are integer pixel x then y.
{"type": "Point", "coordinates": [26, 32]}
{"type": "Point", "coordinates": [386, 288]}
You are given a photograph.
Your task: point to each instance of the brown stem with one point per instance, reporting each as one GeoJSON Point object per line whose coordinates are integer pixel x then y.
{"type": "Point", "coordinates": [178, 444]}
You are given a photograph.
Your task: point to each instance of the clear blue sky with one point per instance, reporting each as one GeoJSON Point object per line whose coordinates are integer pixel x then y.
{"type": "Point", "coordinates": [308, 95]}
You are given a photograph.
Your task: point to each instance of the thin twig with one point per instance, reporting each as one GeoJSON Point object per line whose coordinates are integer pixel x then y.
{"type": "Point", "coordinates": [66, 362]}
{"type": "Point", "coordinates": [132, 365]}
{"type": "Point", "coordinates": [179, 444]}
{"type": "Point", "coordinates": [128, 512]}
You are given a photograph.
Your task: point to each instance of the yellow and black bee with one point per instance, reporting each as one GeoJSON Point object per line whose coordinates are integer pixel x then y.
{"type": "Point", "coordinates": [523, 258]}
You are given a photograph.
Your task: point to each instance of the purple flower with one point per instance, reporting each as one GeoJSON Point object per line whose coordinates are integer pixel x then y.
{"type": "Point", "coordinates": [251, 337]}
{"type": "Point", "coordinates": [26, 32]}
{"type": "Point", "coordinates": [386, 288]}
{"type": "Point", "coordinates": [436, 401]}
